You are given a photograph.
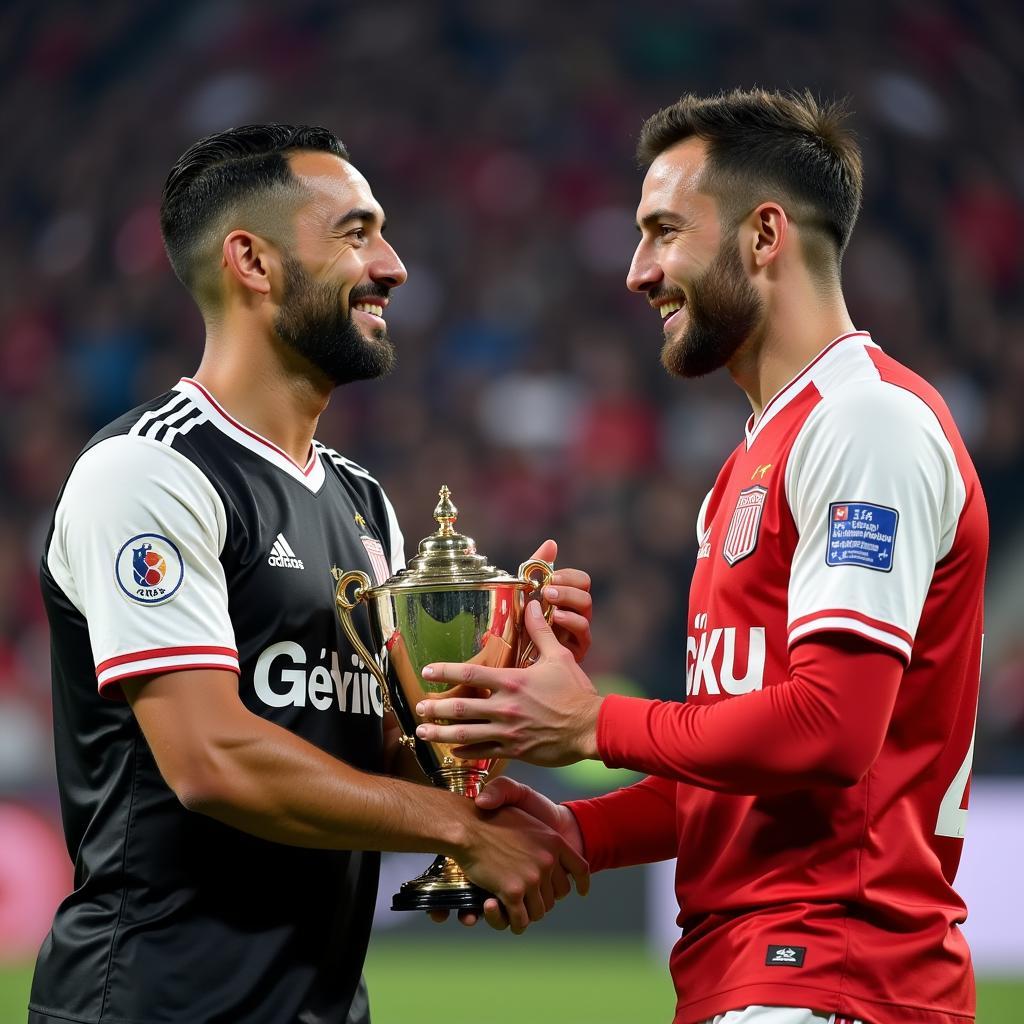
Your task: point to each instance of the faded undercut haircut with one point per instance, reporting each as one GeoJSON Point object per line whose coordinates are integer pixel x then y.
{"type": "Point", "coordinates": [763, 146]}
{"type": "Point", "coordinates": [234, 179]}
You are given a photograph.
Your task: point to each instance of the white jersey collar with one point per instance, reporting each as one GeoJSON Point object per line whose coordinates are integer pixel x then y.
{"type": "Point", "coordinates": [310, 476]}
{"type": "Point", "coordinates": [834, 350]}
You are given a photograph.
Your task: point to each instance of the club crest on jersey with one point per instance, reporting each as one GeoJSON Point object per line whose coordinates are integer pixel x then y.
{"type": "Point", "coordinates": [378, 560]}
{"type": "Point", "coordinates": [149, 568]}
{"type": "Point", "coordinates": [741, 536]}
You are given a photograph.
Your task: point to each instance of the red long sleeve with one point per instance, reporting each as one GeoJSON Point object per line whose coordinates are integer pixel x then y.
{"type": "Point", "coordinates": [824, 725]}
{"type": "Point", "coordinates": [633, 825]}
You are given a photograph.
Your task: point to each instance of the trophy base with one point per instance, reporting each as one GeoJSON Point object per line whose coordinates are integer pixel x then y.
{"type": "Point", "coordinates": [443, 886]}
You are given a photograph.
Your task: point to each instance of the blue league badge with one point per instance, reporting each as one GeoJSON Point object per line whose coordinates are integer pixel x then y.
{"type": "Point", "coordinates": [149, 568]}
{"type": "Point", "coordinates": [860, 533]}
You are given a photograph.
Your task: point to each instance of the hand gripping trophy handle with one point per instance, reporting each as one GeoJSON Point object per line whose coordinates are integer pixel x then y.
{"type": "Point", "coordinates": [526, 572]}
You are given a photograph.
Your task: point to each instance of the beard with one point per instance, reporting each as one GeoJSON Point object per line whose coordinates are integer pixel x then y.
{"type": "Point", "coordinates": [723, 312]}
{"type": "Point", "coordinates": [313, 323]}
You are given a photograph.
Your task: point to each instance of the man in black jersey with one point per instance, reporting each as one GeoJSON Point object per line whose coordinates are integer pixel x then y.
{"type": "Point", "coordinates": [221, 749]}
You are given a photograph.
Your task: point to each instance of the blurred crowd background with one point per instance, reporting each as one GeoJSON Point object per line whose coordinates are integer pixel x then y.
{"type": "Point", "coordinates": [499, 138]}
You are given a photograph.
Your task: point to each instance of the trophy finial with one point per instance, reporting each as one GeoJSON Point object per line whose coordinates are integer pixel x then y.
{"type": "Point", "coordinates": [445, 513]}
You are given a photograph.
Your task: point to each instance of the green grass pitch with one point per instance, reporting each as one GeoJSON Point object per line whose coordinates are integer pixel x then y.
{"type": "Point", "coordinates": [509, 980]}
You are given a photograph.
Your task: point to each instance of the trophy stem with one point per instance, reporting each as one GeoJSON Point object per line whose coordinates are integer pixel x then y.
{"type": "Point", "coordinates": [465, 782]}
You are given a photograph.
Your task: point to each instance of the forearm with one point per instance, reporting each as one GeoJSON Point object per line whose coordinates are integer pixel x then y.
{"type": "Point", "coordinates": [824, 725]}
{"type": "Point", "coordinates": [268, 782]}
{"type": "Point", "coordinates": [223, 761]}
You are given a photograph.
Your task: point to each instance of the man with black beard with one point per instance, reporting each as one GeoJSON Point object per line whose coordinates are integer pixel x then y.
{"type": "Point", "coordinates": [316, 322]}
{"type": "Point", "coordinates": [221, 750]}
{"type": "Point", "coordinates": [813, 785]}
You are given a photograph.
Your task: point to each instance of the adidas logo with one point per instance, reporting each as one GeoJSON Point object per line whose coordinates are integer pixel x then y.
{"type": "Point", "coordinates": [283, 556]}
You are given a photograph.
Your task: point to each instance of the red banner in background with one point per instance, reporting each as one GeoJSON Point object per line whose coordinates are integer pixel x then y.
{"type": "Point", "coordinates": [35, 875]}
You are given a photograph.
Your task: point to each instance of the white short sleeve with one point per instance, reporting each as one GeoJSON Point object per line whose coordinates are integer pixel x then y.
{"type": "Point", "coordinates": [876, 494]}
{"type": "Point", "coordinates": [395, 539]}
{"type": "Point", "coordinates": [136, 548]}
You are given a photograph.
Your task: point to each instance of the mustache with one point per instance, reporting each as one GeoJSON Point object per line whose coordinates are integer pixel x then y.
{"type": "Point", "coordinates": [661, 294]}
{"type": "Point", "coordinates": [373, 290]}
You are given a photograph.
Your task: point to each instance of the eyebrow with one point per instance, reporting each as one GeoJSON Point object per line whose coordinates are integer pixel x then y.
{"type": "Point", "coordinates": [661, 215]}
{"type": "Point", "coordinates": [363, 213]}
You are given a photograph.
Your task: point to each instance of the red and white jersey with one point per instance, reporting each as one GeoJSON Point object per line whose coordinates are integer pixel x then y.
{"type": "Point", "coordinates": [850, 507]}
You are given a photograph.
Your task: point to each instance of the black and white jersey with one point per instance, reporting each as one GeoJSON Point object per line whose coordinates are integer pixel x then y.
{"type": "Point", "coordinates": [181, 539]}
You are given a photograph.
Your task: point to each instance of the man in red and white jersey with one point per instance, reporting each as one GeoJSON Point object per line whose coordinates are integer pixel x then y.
{"type": "Point", "coordinates": [814, 783]}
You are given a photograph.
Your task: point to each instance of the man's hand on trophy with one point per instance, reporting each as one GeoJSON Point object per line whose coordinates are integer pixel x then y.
{"type": "Point", "coordinates": [545, 714]}
{"type": "Point", "coordinates": [525, 863]}
{"type": "Point", "coordinates": [503, 792]}
{"type": "Point", "coordinates": [569, 593]}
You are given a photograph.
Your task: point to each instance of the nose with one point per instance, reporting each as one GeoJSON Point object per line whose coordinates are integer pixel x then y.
{"type": "Point", "coordinates": [644, 272]}
{"type": "Point", "coordinates": [387, 268]}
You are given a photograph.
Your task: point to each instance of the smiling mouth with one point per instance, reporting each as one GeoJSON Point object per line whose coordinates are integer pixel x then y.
{"type": "Point", "coordinates": [668, 308]}
{"type": "Point", "coordinates": [373, 308]}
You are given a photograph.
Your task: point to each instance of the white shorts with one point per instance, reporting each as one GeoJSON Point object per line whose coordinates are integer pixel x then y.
{"type": "Point", "coordinates": [779, 1015]}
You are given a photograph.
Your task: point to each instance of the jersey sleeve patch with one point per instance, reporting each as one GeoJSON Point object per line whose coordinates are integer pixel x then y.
{"type": "Point", "coordinates": [149, 568]}
{"type": "Point", "coordinates": [861, 533]}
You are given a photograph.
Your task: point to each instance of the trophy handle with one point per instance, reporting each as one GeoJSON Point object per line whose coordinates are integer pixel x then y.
{"type": "Point", "coordinates": [527, 572]}
{"type": "Point", "coordinates": [346, 605]}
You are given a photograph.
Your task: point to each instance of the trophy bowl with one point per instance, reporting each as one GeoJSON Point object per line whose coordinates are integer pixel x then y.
{"type": "Point", "coordinates": [447, 604]}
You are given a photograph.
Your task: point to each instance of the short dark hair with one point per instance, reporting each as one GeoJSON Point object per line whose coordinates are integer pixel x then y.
{"type": "Point", "coordinates": [226, 171]}
{"type": "Point", "coordinates": [761, 142]}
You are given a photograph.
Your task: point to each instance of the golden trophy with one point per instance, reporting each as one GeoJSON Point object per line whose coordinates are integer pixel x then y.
{"type": "Point", "coordinates": [448, 604]}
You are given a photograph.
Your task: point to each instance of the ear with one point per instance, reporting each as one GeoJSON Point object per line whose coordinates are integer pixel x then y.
{"type": "Point", "coordinates": [247, 260]}
{"type": "Point", "coordinates": [770, 225]}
